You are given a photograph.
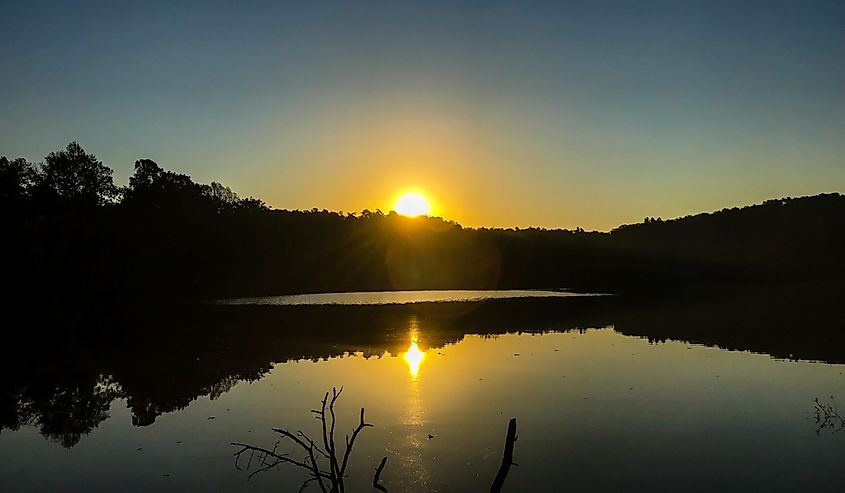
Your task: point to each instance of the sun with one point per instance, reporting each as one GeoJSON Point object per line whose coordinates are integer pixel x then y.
{"type": "Point", "coordinates": [412, 204]}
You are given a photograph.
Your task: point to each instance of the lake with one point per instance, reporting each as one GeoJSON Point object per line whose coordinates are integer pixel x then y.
{"type": "Point", "coordinates": [711, 391]}
{"type": "Point", "coordinates": [398, 297]}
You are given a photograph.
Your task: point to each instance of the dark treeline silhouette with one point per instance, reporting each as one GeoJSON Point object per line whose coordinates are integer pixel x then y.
{"type": "Point", "coordinates": [71, 233]}
{"type": "Point", "coordinates": [161, 361]}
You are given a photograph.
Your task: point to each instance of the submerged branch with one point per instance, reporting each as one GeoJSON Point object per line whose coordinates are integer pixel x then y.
{"type": "Point", "coordinates": [507, 458]}
{"type": "Point", "coordinates": [331, 479]}
{"type": "Point", "coordinates": [267, 459]}
{"type": "Point", "coordinates": [351, 442]}
{"type": "Point", "coordinates": [377, 476]}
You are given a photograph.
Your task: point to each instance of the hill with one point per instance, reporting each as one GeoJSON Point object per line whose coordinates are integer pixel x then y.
{"type": "Point", "coordinates": [71, 233]}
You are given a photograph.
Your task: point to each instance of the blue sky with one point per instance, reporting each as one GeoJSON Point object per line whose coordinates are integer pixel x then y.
{"type": "Point", "coordinates": [555, 114]}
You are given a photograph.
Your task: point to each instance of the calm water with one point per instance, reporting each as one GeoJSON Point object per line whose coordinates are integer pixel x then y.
{"type": "Point", "coordinates": [391, 297]}
{"type": "Point", "coordinates": [598, 409]}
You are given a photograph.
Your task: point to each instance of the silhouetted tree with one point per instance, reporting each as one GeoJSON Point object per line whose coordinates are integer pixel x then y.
{"type": "Point", "coordinates": [251, 205]}
{"type": "Point", "coordinates": [17, 177]}
{"type": "Point", "coordinates": [172, 238]}
{"type": "Point", "coordinates": [147, 172]}
{"type": "Point", "coordinates": [73, 174]}
{"type": "Point", "coordinates": [222, 195]}
{"type": "Point", "coordinates": [152, 188]}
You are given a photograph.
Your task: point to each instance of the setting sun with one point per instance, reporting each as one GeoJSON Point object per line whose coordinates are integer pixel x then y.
{"type": "Point", "coordinates": [412, 204]}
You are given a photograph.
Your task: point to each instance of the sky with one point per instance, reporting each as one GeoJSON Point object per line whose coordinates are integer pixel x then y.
{"type": "Point", "coordinates": [507, 114]}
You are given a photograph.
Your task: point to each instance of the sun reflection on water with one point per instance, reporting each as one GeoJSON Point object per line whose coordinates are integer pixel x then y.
{"type": "Point", "coordinates": [414, 356]}
{"type": "Point", "coordinates": [412, 461]}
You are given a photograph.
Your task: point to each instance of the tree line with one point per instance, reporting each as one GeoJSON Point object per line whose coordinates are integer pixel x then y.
{"type": "Point", "coordinates": [70, 233]}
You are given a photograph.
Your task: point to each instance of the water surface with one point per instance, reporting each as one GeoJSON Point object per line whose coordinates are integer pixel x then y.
{"type": "Point", "coordinates": [609, 396]}
{"type": "Point", "coordinates": [399, 297]}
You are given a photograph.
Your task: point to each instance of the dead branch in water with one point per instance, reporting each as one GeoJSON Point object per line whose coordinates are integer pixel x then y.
{"type": "Point", "coordinates": [329, 481]}
{"type": "Point", "coordinates": [377, 476]}
{"type": "Point", "coordinates": [507, 458]}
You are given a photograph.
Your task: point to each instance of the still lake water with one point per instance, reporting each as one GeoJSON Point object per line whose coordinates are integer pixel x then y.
{"type": "Point", "coordinates": [600, 407]}
{"type": "Point", "coordinates": [393, 297]}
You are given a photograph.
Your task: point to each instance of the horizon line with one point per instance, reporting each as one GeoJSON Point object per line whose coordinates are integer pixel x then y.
{"type": "Point", "coordinates": [316, 210]}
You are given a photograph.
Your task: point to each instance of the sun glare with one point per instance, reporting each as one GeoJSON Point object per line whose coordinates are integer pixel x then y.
{"type": "Point", "coordinates": [412, 204]}
{"type": "Point", "coordinates": [414, 357]}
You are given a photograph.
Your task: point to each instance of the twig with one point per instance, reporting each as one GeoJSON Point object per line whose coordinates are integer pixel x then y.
{"type": "Point", "coordinates": [377, 476]}
{"type": "Point", "coordinates": [336, 472]}
{"type": "Point", "coordinates": [330, 481]}
{"type": "Point", "coordinates": [828, 417]}
{"type": "Point", "coordinates": [264, 454]}
{"type": "Point", "coordinates": [351, 443]}
{"type": "Point", "coordinates": [507, 458]}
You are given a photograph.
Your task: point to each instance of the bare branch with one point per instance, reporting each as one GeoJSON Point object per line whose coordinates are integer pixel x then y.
{"type": "Point", "coordinates": [329, 481]}
{"type": "Point", "coordinates": [321, 415]}
{"type": "Point", "coordinates": [287, 434]}
{"type": "Point", "coordinates": [264, 454]}
{"type": "Point", "coordinates": [305, 484]}
{"type": "Point", "coordinates": [333, 454]}
{"type": "Point", "coordinates": [311, 444]}
{"type": "Point", "coordinates": [507, 458]}
{"type": "Point", "coordinates": [351, 442]}
{"type": "Point", "coordinates": [377, 476]}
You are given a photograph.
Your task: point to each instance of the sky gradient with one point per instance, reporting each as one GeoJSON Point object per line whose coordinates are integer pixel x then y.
{"type": "Point", "coordinates": [552, 114]}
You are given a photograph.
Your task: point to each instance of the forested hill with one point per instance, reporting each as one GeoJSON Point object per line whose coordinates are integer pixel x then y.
{"type": "Point", "coordinates": [70, 233]}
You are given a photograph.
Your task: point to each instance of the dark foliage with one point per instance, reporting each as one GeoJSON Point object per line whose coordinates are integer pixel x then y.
{"type": "Point", "coordinates": [161, 360]}
{"type": "Point", "coordinates": [71, 235]}
{"type": "Point", "coordinates": [73, 177]}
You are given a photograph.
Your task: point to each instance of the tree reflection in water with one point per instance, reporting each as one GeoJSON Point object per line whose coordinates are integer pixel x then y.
{"type": "Point", "coordinates": [161, 363]}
